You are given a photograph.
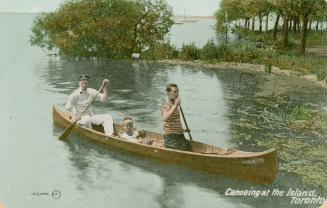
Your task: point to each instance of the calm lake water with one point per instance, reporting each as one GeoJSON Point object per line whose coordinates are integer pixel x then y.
{"type": "Point", "coordinates": [198, 32]}
{"type": "Point", "coordinates": [221, 108]}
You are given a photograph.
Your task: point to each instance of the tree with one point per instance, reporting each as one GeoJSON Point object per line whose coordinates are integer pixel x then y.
{"type": "Point", "coordinates": [234, 9]}
{"type": "Point", "coordinates": [275, 8]}
{"type": "Point", "coordinates": [103, 28]}
{"type": "Point", "coordinates": [292, 12]}
{"type": "Point", "coordinates": [286, 9]}
{"type": "Point", "coordinates": [305, 8]}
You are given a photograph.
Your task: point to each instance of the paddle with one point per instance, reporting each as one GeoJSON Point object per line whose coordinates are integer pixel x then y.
{"type": "Point", "coordinates": [188, 130]}
{"type": "Point", "coordinates": [67, 131]}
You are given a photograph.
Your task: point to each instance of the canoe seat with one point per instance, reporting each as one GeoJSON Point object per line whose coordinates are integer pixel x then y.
{"type": "Point", "coordinates": [98, 128]}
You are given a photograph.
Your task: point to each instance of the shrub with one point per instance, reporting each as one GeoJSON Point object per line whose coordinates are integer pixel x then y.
{"type": "Point", "coordinates": [245, 54]}
{"type": "Point", "coordinates": [321, 72]}
{"type": "Point", "coordinates": [189, 52]}
{"type": "Point", "coordinates": [161, 51]}
{"type": "Point", "coordinates": [210, 51]}
{"type": "Point", "coordinates": [226, 53]}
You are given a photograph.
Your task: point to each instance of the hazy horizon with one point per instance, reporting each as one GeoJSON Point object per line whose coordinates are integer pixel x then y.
{"type": "Point", "coordinates": [189, 7]}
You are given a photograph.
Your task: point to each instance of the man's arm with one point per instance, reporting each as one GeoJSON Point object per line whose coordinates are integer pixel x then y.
{"type": "Point", "coordinates": [105, 92]}
{"type": "Point", "coordinates": [69, 107]}
{"type": "Point", "coordinates": [166, 112]}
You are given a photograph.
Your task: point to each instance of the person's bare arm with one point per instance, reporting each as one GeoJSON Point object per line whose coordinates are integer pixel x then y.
{"type": "Point", "coordinates": [105, 90]}
{"type": "Point", "coordinates": [167, 114]}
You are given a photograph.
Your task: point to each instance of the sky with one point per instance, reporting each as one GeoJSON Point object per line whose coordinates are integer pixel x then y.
{"type": "Point", "coordinates": [192, 7]}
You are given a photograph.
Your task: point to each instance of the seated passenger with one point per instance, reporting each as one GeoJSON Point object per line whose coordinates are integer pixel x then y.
{"type": "Point", "coordinates": [132, 135]}
{"type": "Point", "coordinates": [129, 133]}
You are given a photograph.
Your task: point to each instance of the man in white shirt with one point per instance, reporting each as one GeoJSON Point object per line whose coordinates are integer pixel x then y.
{"type": "Point", "coordinates": [80, 98]}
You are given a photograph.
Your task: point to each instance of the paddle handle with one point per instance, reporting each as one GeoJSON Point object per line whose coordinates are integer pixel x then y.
{"type": "Point", "coordinates": [188, 130]}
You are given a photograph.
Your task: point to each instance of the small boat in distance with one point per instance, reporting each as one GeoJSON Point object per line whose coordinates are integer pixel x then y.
{"type": "Point", "coordinates": [256, 167]}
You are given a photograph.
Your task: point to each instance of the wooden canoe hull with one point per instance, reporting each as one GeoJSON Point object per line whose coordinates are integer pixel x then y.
{"type": "Point", "coordinates": [257, 167]}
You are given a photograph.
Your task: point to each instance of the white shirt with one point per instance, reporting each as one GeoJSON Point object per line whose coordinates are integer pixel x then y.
{"type": "Point", "coordinates": [131, 138]}
{"type": "Point", "coordinates": [79, 99]}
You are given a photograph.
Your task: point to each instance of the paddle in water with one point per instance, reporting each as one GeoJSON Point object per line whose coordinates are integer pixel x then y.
{"type": "Point", "coordinates": [67, 131]}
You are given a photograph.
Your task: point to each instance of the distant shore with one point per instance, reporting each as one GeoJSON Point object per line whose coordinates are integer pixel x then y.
{"type": "Point", "coordinates": [178, 17]}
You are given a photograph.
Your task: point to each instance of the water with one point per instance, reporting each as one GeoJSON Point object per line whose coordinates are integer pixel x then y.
{"type": "Point", "coordinates": [198, 32]}
{"type": "Point", "coordinates": [33, 161]}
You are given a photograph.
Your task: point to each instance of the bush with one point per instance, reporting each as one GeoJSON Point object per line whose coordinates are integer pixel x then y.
{"type": "Point", "coordinates": [226, 53]}
{"type": "Point", "coordinates": [233, 53]}
{"type": "Point", "coordinates": [242, 54]}
{"type": "Point", "coordinates": [161, 51]}
{"type": "Point", "coordinates": [321, 72]}
{"type": "Point", "coordinates": [189, 52]}
{"type": "Point", "coordinates": [209, 51]}
{"type": "Point", "coordinates": [279, 44]}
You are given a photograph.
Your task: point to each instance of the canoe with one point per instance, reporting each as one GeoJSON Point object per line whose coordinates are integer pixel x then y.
{"type": "Point", "coordinates": [256, 167]}
{"type": "Point", "coordinates": [324, 205]}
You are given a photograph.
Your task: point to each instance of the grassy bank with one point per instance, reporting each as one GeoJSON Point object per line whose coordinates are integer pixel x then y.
{"type": "Point", "coordinates": [314, 38]}
{"type": "Point", "coordinates": [256, 49]}
{"type": "Point", "coordinates": [288, 58]}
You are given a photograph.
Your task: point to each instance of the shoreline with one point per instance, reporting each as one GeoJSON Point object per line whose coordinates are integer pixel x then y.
{"type": "Point", "coordinates": [277, 75]}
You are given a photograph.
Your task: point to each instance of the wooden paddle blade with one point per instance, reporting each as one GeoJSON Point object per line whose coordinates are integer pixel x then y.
{"type": "Point", "coordinates": [67, 131]}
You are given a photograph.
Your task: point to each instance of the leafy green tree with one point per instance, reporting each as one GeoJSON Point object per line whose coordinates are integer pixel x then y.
{"type": "Point", "coordinates": [235, 10]}
{"type": "Point", "coordinates": [103, 28]}
{"type": "Point", "coordinates": [293, 13]}
{"type": "Point", "coordinates": [286, 9]}
{"type": "Point", "coordinates": [305, 9]}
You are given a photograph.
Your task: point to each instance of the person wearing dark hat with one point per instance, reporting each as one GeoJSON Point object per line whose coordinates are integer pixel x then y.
{"type": "Point", "coordinates": [80, 98]}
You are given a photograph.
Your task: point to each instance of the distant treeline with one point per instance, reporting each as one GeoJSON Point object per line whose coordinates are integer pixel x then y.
{"type": "Point", "coordinates": [296, 15]}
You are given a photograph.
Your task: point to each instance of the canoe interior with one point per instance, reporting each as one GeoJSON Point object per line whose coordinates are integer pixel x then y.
{"type": "Point", "coordinates": [158, 142]}
{"type": "Point", "coordinates": [257, 167]}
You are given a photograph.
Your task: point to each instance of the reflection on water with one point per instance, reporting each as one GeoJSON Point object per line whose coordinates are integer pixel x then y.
{"type": "Point", "coordinates": [198, 33]}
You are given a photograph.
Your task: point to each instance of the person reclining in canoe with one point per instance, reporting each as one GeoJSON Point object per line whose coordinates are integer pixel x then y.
{"type": "Point", "coordinates": [80, 98]}
{"type": "Point", "coordinates": [173, 131]}
{"type": "Point", "coordinates": [132, 135]}
{"type": "Point", "coordinates": [129, 133]}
